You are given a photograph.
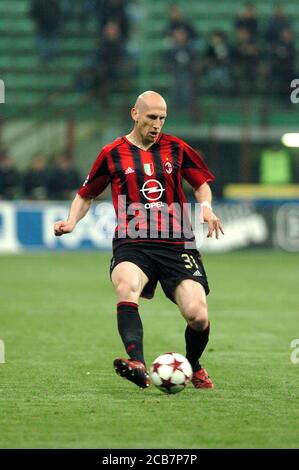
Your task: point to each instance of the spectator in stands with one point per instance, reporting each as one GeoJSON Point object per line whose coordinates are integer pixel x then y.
{"type": "Point", "coordinates": [181, 60]}
{"type": "Point", "coordinates": [283, 59]}
{"type": "Point", "coordinates": [245, 60]}
{"type": "Point", "coordinates": [9, 177]}
{"type": "Point", "coordinates": [276, 24]}
{"type": "Point", "coordinates": [177, 20]}
{"type": "Point", "coordinates": [64, 179]}
{"type": "Point", "coordinates": [217, 61]}
{"type": "Point", "coordinates": [106, 71]}
{"type": "Point", "coordinates": [247, 19]}
{"type": "Point", "coordinates": [35, 180]}
{"type": "Point", "coordinates": [47, 16]}
{"type": "Point", "coordinates": [110, 52]}
{"type": "Point", "coordinates": [279, 65]}
{"type": "Point", "coordinates": [113, 10]}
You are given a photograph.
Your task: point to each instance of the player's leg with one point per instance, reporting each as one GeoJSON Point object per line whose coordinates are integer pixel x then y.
{"type": "Point", "coordinates": [129, 280]}
{"type": "Point", "coordinates": [191, 299]}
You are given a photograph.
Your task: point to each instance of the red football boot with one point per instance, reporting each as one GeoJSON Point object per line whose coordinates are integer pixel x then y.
{"type": "Point", "coordinates": [135, 371]}
{"type": "Point", "coordinates": [200, 379]}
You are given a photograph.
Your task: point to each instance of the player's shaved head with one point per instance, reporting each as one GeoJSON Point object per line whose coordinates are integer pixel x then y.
{"type": "Point", "coordinates": [149, 114]}
{"type": "Point", "coordinates": [149, 99]}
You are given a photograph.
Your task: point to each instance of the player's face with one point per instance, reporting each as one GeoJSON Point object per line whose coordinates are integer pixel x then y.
{"type": "Point", "coordinates": [150, 123]}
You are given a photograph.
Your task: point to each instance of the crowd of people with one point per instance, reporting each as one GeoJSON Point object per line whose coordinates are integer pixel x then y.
{"type": "Point", "coordinates": [258, 55]}
{"type": "Point", "coordinates": [110, 62]}
{"type": "Point", "coordinates": [51, 16]}
{"type": "Point", "coordinates": [58, 180]}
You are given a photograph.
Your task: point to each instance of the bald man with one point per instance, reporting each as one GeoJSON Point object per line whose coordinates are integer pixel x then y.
{"type": "Point", "coordinates": [151, 243]}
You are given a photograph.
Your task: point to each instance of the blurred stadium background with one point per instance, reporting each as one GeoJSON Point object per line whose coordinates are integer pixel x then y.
{"type": "Point", "coordinates": [72, 70]}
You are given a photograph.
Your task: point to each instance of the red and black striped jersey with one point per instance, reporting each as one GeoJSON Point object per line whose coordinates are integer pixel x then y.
{"type": "Point", "coordinates": [147, 189]}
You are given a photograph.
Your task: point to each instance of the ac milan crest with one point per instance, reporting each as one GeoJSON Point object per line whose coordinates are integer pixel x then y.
{"type": "Point", "coordinates": [168, 167]}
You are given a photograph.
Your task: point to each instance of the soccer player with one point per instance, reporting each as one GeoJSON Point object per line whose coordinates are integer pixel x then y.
{"type": "Point", "coordinates": [145, 169]}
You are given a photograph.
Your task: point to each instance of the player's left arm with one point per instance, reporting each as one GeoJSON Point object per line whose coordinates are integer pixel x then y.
{"type": "Point", "coordinates": [196, 172]}
{"type": "Point", "coordinates": [203, 195]}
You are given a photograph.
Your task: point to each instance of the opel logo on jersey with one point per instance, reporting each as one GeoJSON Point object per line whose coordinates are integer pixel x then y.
{"type": "Point", "coordinates": [152, 190]}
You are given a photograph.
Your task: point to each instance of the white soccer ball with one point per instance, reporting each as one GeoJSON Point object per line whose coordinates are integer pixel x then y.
{"type": "Point", "coordinates": [171, 372]}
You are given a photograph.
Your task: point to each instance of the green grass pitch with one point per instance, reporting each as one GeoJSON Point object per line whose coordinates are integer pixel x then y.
{"type": "Point", "coordinates": [58, 388]}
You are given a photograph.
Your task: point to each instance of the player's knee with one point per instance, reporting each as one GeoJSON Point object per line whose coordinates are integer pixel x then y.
{"type": "Point", "coordinates": [197, 315]}
{"type": "Point", "coordinates": [199, 324]}
{"type": "Point", "coordinates": [127, 289]}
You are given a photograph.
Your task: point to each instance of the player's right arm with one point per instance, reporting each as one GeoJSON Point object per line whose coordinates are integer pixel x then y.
{"type": "Point", "coordinates": [95, 183]}
{"type": "Point", "coordinates": [79, 209]}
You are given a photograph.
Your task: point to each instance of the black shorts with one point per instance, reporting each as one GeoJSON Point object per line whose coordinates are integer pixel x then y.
{"type": "Point", "coordinates": [168, 264]}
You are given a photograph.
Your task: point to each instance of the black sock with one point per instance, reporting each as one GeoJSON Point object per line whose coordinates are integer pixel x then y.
{"type": "Point", "coordinates": [196, 342]}
{"type": "Point", "coordinates": [130, 329]}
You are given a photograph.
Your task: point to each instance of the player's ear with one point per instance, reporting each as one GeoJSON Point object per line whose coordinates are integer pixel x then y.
{"type": "Point", "coordinates": [134, 114]}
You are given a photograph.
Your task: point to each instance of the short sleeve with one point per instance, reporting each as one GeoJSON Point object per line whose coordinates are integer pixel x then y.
{"type": "Point", "coordinates": [194, 168]}
{"type": "Point", "coordinates": [98, 178]}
